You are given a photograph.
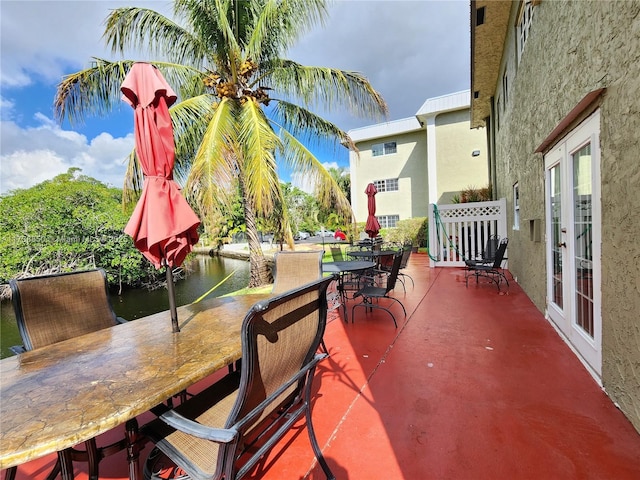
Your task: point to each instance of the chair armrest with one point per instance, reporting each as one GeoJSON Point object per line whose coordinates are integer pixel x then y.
{"type": "Point", "coordinates": [177, 421]}
{"type": "Point", "coordinates": [17, 349]}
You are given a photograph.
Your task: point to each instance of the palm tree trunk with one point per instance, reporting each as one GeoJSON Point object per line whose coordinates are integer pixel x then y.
{"type": "Point", "coordinates": [259, 271]}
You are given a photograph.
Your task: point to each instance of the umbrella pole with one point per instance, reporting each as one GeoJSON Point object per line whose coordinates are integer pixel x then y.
{"type": "Point", "coordinates": [172, 300]}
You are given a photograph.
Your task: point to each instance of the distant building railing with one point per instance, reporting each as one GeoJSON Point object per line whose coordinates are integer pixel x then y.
{"type": "Point", "coordinates": [460, 231]}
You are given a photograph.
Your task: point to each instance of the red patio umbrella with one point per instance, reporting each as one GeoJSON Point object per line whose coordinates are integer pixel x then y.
{"type": "Point", "coordinates": [372, 227]}
{"type": "Point", "coordinates": [163, 225]}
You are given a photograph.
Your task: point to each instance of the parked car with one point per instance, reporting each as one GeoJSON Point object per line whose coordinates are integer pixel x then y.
{"type": "Point", "coordinates": [301, 236]}
{"type": "Point", "coordinates": [339, 235]}
{"type": "Point", "coordinates": [327, 233]}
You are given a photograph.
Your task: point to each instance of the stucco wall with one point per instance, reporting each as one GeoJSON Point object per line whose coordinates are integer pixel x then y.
{"type": "Point", "coordinates": [408, 164]}
{"type": "Point", "coordinates": [575, 48]}
{"type": "Point", "coordinates": [456, 167]}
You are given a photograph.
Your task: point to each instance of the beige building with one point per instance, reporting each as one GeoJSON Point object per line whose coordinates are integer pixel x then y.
{"type": "Point", "coordinates": [556, 86]}
{"type": "Point", "coordinates": [418, 160]}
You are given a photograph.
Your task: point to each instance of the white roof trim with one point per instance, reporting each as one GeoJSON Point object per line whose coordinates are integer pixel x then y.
{"type": "Point", "coordinates": [446, 103]}
{"type": "Point", "coordinates": [395, 127]}
{"type": "Point", "coordinates": [430, 108]}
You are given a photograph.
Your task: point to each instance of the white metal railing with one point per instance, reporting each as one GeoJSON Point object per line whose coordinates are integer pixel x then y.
{"type": "Point", "coordinates": [460, 231]}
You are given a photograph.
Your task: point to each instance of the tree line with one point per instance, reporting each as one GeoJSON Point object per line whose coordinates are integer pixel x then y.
{"type": "Point", "coordinates": [75, 222]}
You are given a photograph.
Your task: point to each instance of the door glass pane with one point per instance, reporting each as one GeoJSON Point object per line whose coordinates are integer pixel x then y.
{"type": "Point", "coordinates": [582, 223]}
{"type": "Point", "coordinates": [556, 224]}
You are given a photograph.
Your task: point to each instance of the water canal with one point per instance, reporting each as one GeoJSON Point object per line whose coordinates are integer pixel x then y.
{"type": "Point", "coordinates": [211, 276]}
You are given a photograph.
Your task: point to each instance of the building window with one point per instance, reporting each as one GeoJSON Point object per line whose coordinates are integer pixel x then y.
{"type": "Point", "coordinates": [525, 17]}
{"type": "Point", "coordinates": [386, 148]}
{"type": "Point", "coordinates": [479, 16]}
{"type": "Point", "coordinates": [516, 207]}
{"type": "Point", "coordinates": [388, 185]}
{"type": "Point", "coordinates": [388, 221]}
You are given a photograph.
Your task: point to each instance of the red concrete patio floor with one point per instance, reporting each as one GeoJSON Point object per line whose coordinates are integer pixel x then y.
{"type": "Point", "coordinates": [471, 385]}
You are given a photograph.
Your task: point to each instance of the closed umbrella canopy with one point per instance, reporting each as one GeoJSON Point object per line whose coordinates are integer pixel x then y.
{"type": "Point", "coordinates": [163, 225]}
{"type": "Point", "coordinates": [372, 227]}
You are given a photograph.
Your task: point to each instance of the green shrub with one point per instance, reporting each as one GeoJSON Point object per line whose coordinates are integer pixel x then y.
{"type": "Point", "coordinates": [411, 230]}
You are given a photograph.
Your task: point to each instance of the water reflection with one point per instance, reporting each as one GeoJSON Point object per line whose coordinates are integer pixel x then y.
{"type": "Point", "coordinates": [225, 274]}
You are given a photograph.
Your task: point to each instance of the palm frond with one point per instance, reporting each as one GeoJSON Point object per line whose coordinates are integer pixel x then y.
{"type": "Point", "coordinates": [259, 144]}
{"type": "Point", "coordinates": [146, 30]}
{"type": "Point", "coordinates": [95, 91]}
{"type": "Point", "coordinates": [284, 219]}
{"type": "Point", "coordinates": [207, 197]}
{"type": "Point", "coordinates": [208, 20]}
{"type": "Point", "coordinates": [212, 170]}
{"type": "Point", "coordinates": [306, 164]}
{"type": "Point", "coordinates": [133, 180]}
{"type": "Point", "coordinates": [92, 91]}
{"type": "Point", "coordinates": [190, 119]}
{"type": "Point", "coordinates": [309, 127]}
{"type": "Point", "coordinates": [214, 156]}
{"type": "Point", "coordinates": [280, 24]}
{"type": "Point", "coordinates": [327, 87]}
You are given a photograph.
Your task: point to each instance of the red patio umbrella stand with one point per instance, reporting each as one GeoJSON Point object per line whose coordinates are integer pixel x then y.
{"type": "Point", "coordinates": [163, 225]}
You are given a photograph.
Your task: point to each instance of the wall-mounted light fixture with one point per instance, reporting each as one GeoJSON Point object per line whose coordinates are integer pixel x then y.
{"type": "Point", "coordinates": [475, 153]}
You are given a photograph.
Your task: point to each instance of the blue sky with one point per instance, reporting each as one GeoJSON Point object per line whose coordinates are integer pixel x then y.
{"type": "Point", "coordinates": [409, 50]}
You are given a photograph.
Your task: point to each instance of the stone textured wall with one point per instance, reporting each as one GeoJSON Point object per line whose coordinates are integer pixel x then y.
{"type": "Point", "coordinates": [575, 48]}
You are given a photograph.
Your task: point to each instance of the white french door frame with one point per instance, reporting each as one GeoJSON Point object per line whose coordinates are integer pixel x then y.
{"type": "Point", "coordinates": [565, 247]}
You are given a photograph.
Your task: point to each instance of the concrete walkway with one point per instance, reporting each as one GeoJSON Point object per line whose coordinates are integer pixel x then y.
{"type": "Point", "coordinates": [472, 385]}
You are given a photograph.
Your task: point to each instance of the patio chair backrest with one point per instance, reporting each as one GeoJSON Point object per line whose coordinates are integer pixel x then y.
{"type": "Point", "coordinates": [376, 244]}
{"type": "Point", "coordinates": [53, 308]}
{"type": "Point", "coordinates": [502, 248]}
{"type": "Point", "coordinates": [293, 269]}
{"type": "Point", "coordinates": [406, 253]}
{"type": "Point", "coordinates": [393, 274]}
{"type": "Point", "coordinates": [280, 339]}
{"type": "Point", "coordinates": [490, 250]}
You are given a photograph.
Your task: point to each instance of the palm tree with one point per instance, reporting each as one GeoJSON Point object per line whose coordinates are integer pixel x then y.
{"type": "Point", "coordinates": [242, 109]}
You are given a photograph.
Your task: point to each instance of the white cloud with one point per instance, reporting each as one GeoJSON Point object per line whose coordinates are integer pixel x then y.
{"type": "Point", "coordinates": [303, 183]}
{"type": "Point", "coordinates": [329, 165]}
{"type": "Point", "coordinates": [21, 169]}
{"type": "Point", "coordinates": [409, 50]}
{"type": "Point", "coordinates": [48, 38]}
{"type": "Point", "coordinates": [31, 155]}
{"type": "Point", "coordinates": [6, 108]}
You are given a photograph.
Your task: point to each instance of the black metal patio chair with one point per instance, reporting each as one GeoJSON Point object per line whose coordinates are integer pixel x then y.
{"type": "Point", "coordinates": [488, 255]}
{"type": "Point", "coordinates": [406, 254]}
{"type": "Point", "coordinates": [222, 432]}
{"type": "Point", "coordinates": [370, 293]}
{"type": "Point", "coordinates": [493, 271]}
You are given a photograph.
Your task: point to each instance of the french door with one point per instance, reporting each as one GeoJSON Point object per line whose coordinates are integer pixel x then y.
{"type": "Point", "coordinates": [572, 187]}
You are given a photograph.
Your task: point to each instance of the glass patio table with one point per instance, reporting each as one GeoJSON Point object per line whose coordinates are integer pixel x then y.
{"type": "Point", "coordinates": [58, 396]}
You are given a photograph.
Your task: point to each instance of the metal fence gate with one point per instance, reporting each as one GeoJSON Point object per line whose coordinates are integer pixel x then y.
{"type": "Point", "coordinates": [460, 231]}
